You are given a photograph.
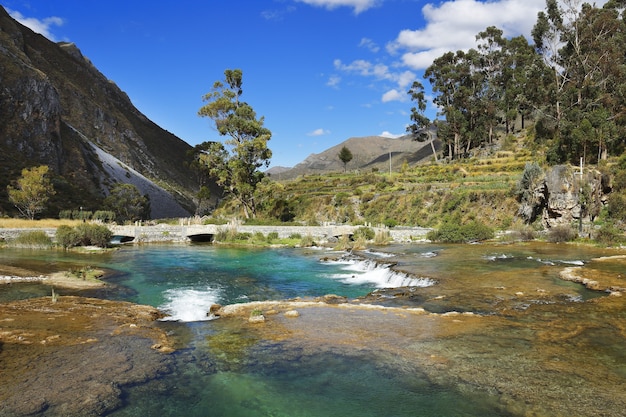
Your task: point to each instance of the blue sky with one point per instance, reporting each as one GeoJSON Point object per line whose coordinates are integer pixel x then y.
{"type": "Point", "coordinates": [319, 71]}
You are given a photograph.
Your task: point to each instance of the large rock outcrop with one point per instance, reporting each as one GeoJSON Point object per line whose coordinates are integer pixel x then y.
{"type": "Point", "coordinates": [57, 109]}
{"type": "Point", "coordinates": [570, 195]}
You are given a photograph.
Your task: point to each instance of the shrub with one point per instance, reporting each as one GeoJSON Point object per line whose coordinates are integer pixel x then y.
{"type": "Point", "coordinates": [560, 234]}
{"type": "Point", "coordinates": [609, 235]}
{"type": "Point", "coordinates": [453, 232]}
{"type": "Point", "coordinates": [67, 237]}
{"type": "Point", "coordinates": [83, 235]}
{"type": "Point", "coordinates": [307, 241]}
{"type": "Point", "coordinates": [617, 206]}
{"type": "Point", "coordinates": [104, 216]}
{"type": "Point", "coordinates": [272, 236]}
{"type": "Point", "coordinates": [382, 237]}
{"type": "Point", "coordinates": [526, 233]}
{"type": "Point", "coordinates": [390, 222]}
{"type": "Point", "coordinates": [366, 233]}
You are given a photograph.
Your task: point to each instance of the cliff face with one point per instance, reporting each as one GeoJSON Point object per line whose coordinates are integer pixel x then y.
{"type": "Point", "coordinates": [57, 109]}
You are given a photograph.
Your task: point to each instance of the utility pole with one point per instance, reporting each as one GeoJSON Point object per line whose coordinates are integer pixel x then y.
{"type": "Point", "coordinates": [580, 199]}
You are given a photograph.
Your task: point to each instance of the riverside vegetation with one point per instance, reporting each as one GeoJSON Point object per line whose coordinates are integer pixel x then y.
{"type": "Point", "coordinates": [465, 200]}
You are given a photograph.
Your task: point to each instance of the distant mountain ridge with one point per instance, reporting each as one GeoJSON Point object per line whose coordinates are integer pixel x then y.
{"type": "Point", "coordinates": [57, 109]}
{"type": "Point", "coordinates": [369, 152]}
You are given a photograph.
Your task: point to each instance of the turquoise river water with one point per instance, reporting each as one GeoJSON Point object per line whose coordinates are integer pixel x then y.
{"type": "Point", "coordinates": [535, 344]}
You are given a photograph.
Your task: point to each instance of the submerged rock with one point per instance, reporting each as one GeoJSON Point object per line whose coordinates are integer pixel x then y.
{"type": "Point", "coordinates": [74, 356]}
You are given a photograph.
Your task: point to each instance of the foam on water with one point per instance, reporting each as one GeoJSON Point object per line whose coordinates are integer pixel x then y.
{"type": "Point", "coordinates": [367, 271]}
{"type": "Point", "coordinates": [188, 304]}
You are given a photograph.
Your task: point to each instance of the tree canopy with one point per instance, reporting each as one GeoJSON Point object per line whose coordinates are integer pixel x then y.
{"type": "Point", "coordinates": [128, 203]}
{"type": "Point", "coordinates": [32, 191]}
{"type": "Point", "coordinates": [235, 163]}
{"type": "Point", "coordinates": [571, 82]}
{"type": "Point", "coordinates": [345, 156]}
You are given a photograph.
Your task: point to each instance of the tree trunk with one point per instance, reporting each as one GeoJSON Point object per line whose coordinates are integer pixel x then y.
{"type": "Point", "coordinates": [432, 146]}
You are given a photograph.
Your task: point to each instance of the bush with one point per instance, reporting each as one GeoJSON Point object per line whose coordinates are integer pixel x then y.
{"type": "Point", "coordinates": [366, 233]}
{"type": "Point", "coordinates": [272, 236]}
{"type": "Point", "coordinates": [560, 234]}
{"type": "Point", "coordinates": [83, 235]}
{"type": "Point", "coordinates": [609, 235]}
{"type": "Point", "coordinates": [67, 237]}
{"type": "Point", "coordinates": [104, 216]}
{"type": "Point", "coordinates": [307, 241]}
{"type": "Point", "coordinates": [390, 223]}
{"type": "Point", "coordinates": [453, 232]}
{"type": "Point", "coordinates": [526, 233]}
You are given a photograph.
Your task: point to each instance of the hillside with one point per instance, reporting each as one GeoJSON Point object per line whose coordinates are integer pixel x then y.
{"type": "Point", "coordinates": [369, 153]}
{"type": "Point", "coordinates": [57, 109]}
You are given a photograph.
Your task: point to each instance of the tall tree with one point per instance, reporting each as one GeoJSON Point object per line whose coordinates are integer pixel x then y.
{"type": "Point", "coordinates": [235, 163]}
{"type": "Point", "coordinates": [345, 156]}
{"type": "Point", "coordinates": [32, 191]}
{"type": "Point", "coordinates": [128, 203]}
{"type": "Point", "coordinates": [583, 47]}
{"type": "Point", "coordinates": [420, 128]}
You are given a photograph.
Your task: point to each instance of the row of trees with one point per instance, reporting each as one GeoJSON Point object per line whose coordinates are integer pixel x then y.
{"type": "Point", "coordinates": [33, 189]}
{"type": "Point", "coordinates": [572, 82]}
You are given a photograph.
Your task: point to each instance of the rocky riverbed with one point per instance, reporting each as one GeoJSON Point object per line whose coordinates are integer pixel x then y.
{"type": "Point", "coordinates": [72, 357]}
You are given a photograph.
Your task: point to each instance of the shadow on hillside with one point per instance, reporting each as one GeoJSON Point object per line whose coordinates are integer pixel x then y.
{"type": "Point", "coordinates": [424, 153]}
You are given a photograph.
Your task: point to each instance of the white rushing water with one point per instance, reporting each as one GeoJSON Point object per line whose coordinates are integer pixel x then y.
{"type": "Point", "coordinates": [380, 275]}
{"type": "Point", "coordinates": [187, 304]}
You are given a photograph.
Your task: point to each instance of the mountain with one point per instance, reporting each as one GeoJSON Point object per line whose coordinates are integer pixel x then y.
{"type": "Point", "coordinates": [370, 152]}
{"type": "Point", "coordinates": [57, 109]}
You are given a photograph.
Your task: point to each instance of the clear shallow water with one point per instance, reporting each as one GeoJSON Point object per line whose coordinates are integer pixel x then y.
{"type": "Point", "coordinates": [261, 378]}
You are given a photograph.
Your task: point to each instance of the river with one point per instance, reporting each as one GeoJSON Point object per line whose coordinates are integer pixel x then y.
{"type": "Point", "coordinates": [474, 330]}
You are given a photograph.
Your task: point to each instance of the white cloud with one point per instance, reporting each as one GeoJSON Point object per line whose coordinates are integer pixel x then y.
{"type": "Point", "coordinates": [369, 44]}
{"type": "Point", "coordinates": [319, 132]}
{"type": "Point", "coordinates": [333, 81]}
{"type": "Point", "coordinates": [394, 95]}
{"type": "Point", "coordinates": [390, 135]}
{"type": "Point", "coordinates": [377, 71]}
{"type": "Point", "coordinates": [277, 15]}
{"type": "Point", "coordinates": [358, 5]}
{"type": "Point", "coordinates": [454, 24]}
{"type": "Point", "coordinates": [42, 27]}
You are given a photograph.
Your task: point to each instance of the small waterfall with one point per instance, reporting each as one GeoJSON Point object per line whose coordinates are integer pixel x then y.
{"type": "Point", "coordinates": [187, 304]}
{"type": "Point", "coordinates": [361, 271]}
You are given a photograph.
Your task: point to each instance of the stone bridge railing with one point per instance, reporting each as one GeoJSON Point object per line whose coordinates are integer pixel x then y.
{"type": "Point", "coordinates": [183, 233]}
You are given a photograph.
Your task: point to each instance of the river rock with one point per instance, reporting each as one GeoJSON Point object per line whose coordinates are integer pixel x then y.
{"type": "Point", "coordinates": [257, 318]}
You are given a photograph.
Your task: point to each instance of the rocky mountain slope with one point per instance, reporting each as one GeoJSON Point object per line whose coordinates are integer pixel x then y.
{"type": "Point", "coordinates": [370, 152]}
{"type": "Point", "coordinates": [57, 109]}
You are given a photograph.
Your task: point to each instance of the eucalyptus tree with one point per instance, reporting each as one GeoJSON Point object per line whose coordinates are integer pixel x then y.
{"type": "Point", "coordinates": [491, 63]}
{"type": "Point", "coordinates": [420, 128]}
{"type": "Point", "coordinates": [522, 71]}
{"type": "Point", "coordinates": [462, 97]}
{"type": "Point", "coordinates": [583, 47]}
{"type": "Point", "coordinates": [235, 164]}
{"type": "Point", "coordinates": [446, 76]}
